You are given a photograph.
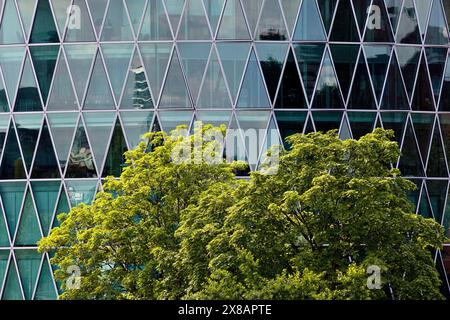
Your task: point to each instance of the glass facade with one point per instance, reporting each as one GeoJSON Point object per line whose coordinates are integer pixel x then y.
{"type": "Point", "coordinates": [81, 80]}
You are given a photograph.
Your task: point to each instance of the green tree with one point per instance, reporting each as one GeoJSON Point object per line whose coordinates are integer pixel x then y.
{"type": "Point", "coordinates": [191, 231]}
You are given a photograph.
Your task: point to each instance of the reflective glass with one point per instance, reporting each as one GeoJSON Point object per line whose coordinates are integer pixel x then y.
{"type": "Point", "coordinates": [232, 25]}
{"type": "Point", "coordinates": [309, 25]}
{"type": "Point", "coordinates": [62, 126]}
{"type": "Point", "coordinates": [272, 57]}
{"type": "Point", "coordinates": [81, 162]}
{"type": "Point", "coordinates": [271, 23]}
{"type": "Point", "coordinates": [345, 57]}
{"type": "Point", "coordinates": [81, 191]}
{"type": "Point", "coordinates": [79, 27]}
{"type": "Point", "coordinates": [10, 29]}
{"type": "Point", "coordinates": [437, 32]}
{"type": "Point", "coordinates": [344, 25]}
{"type": "Point", "coordinates": [99, 95]}
{"type": "Point", "coordinates": [45, 195]}
{"type": "Point", "coordinates": [44, 27]}
{"type": "Point", "coordinates": [155, 25]}
{"type": "Point", "coordinates": [28, 262]}
{"type": "Point", "coordinates": [12, 194]}
{"type": "Point", "coordinates": [28, 127]}
{"type": "Point", "coordinates": [115, 159]}
{"type": "Point", "coordinates": [169, 120]}
{"type": "Point", "coordinates": [408, 29]}
{"type": "Point", "coordinates": [309, 58]}
{"type": "Point", "coordinates": [327, 93]}
{"type": "Point", "coordinates": [135, 124]}
{"type": "Point", "coordinates": [45, 162]}
{"type": "Point", "coordinates": [116, 25]}
{"type": "Point", "coordinates": [194, 25]}
{"type": "Point", "coordinates": [28, 98]}
{"type": "Point", "coordinates": [44, 61]}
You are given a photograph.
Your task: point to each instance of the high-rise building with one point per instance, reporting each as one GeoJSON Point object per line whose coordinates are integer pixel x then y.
{"type": "Point", "coordinates": [81, 80]}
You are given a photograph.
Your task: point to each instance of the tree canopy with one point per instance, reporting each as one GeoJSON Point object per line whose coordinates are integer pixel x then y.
{"type": "Point", "coordinates": [312, 230]}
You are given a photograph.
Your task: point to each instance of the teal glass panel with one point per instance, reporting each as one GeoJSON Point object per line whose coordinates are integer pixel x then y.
{"type": "Point", "coordinates": [214, 93]}
{"type": "Point", "coordinates": [394, 8]}
{"type": "Point", "coordinates": [272, 57]}
{"type": "Point", "coordinates": [361, 123]}
{"type": "Point", "coordinates": [437, 166]}
{"type": "Point", "coordinates": [232, 24]}
{"type": "Point", "coordinates": [378, 28]}
{"type": "Point", "coordinates": [408, 29]}
{"type": "Point", "coordinates": [136, 93]}
{"type": "Point", "coordinates": [344, 25]}
{"type": "Point", "coordinates": [28, 262]}
{"type": "Point", "coordinates": [394, 121]}
{"type": "Point", "coordinates": [99, 95]}
{"type": "Point", "coordinates": [194, 57]}
{"type": "Point", "coordinates": [361, 95]}
{"type": "Point", "coordinates": [11, 59]}
{"type": "Point", "coordinates": [194, 25]}
{"type": "Point", "coordinates": [4, 105]}
{"type": "Point", "coordinates": [4, 257]}
{"type": "Point", "coordinates": [10, 29]}
{"type": "Point", "coordinates": [171, 119]}
{"type": "Point", "coordinates": [327, 9]}
{"type": "Point", "coordinates": [174, 10]}
{"type": "Point", "coordinates": [62, 126]}
{"type": "Point", "coordinates": [28, 98]}
{"type": "Point", "coordinates": [378, 57]}
{"type": "Point", "coordinates": [12, 290]}
{"type": "Point", "coordinates": [174, 93]}
{"type": "Point", "coordinates": [12, 194]}
{"type": "Point", "coordinates": [44, 61]}
{"type": "Point", "coordinates": [233, 56]}
{"type": "Point", "coordinates": [135, 10]}
{"type": "Point", "coordinates": [45, 163]}
{"type": "Point", "coordinates": [155, 25]}
{"type": "Point", "coordinates": [28, 127]}
{"type": "Point", "coordinates": [61, 15]}
{"type": "Point", "coordinates": [79, 28]}
{"type": "Point", "coordinates": [117, 59]}
{"type": "Point", "coordinates": [62, 95]}
{"type": "Point", "coordinates": [437, 190]}
{"type": "Point", "coordinates": [423, 127]}
{"type": "Point", "coordinates": [436, 63]}
{"type": "Point", "coordinates": [344, 58]}
{"type": "Point", "coordinates": [309, 25]}
{"type": "Point", "coordinates": [156, 58]}
{"type": "Point", "coordinates": [213, 10]}
{"type": "Point", "coordinates": [215, 118]}
{"type": "Point", "coordinates": [425, 206]}
{"type": "Point", "coordinates": [28, 232]}
{"type": "Point", "coordinates": [394, 96]}
{"type": "Point", "coordinates": [271, 23]}
{"type": "Point", "coordinates": [437, 32]}
{"type": "Point", "coordinates": [81, 162]}
{"type": "Point", "coordinates": [26, 12]}
{"type": "Point", "coordinates": [135, 124]}
{"type": "Point", "coordinates": [423, 99]}
{"type": "Point", "coordinates": [309, 58]}
{"type": "Point", "coordinates": [44, 27]}
{"type": "Point", "coordinates": [4, 123]}
{"type": "Point", "coordinates": [45, 289]}
{"type": "Point", "coordinates": [115, 160]}
{"type": "Point", "coordinates": [253, 92]}
{"type": "Point", "coordinates": [252, 10]}
{"type": "Point", "coordinates": [99, 126]}
{"type": "Point", "coordinates": [116, 26]}
{"type": "Point", "coordinates": [98, 11]}
{"type": "Point", "coordinates": [444, 104]}
{"type": "Point", "coordinates": [62, 207]}
{"type": "Point", "coordinates": [290, 123]}
{"type": "Point", "coordinates": [12, 166]}
{"type": "Point", "coordinates": [45, 196]}
{"type": "Point", "coordinates": [327, 91]}
{"type": "Point", "coordinates": [4, 239]}
{"type": "Point", "coordinates": [410, 163]}
{"type": "Point", "coordinates": [326, 121]}
{"type": "Point", "coordinates": [81, 191]}
{"type": "Point", "coordinates": [408, 58]}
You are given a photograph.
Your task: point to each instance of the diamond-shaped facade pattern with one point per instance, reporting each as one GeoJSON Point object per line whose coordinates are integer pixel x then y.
{"type": "Point", "coordinates": [82, 80]}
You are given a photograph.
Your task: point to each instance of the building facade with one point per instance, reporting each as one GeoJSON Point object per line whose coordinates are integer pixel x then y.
{"type": "Point", "coordinates": [81, 80]}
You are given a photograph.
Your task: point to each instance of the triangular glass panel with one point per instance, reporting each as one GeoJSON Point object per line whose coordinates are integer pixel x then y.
{"type": "Point", "coordinates": [117, 59]}
{"type": "Point", "coordinates": [12, 166]}
{"type": "Point", "coordinates": [309, 127]}
{"type": "Point", "coordinates": [394, 96]}
{"type": "Point", "coordinates": [437, 166]}
{"type": "Point", "coordinates": [423, 126]}
{"type": "Point", "coordinates": [62, 95]}
{"type": "Point", "coordinates": [395, 121]}
{"type": "Point", "coordinates": [4, 104]}
{"type": "Point", "coordinates": [98, 10]}
{"type": "Point", "coordinates": [309, 25]}
{"type": "Point", "coordinates": [394, 8]}
{"type": "Point", "coordinates": [290, 123]}
{"type": "Point", "coordinates": [28, 98]}
{"type": "Point", "coordinates": [423, 97]}
{"type": "Point", "coordinates": [194, 57]}
{"type": "Point", "coordinates": [28, 127]}
{"type": "Point", "coordinates": [99, 126]}
{"type": "Point", "coordinates": [28, 262]}
{"type": "Point", "coordinates": [378, 57]}
{"type": "Point", "coordinates": [234, 145]}
{"type": "Point", "coordinates": [309, 58]}
{"type": "Point", "coordinates": [62, 207]}
{"type": "Point", "coordinates": [444, 104]}
{"type": "Point", "coordinates": [444, 120]}
{"type": "Point", "coordinates": [408, 58]}
{"type": "Point", "coordinates": [174, 93]}
{"type": "Point", "coordinates": [4, 124]}
{"type": "Point", "coordinates": [253, 92]}
{"type": "Point", "coordinates": [344, 25]}
{"type": "Point", "coordinates": [11, 59]}
{"type": "Point", "coordinates": [361, 95]}
{"type": "Point", "coordinates": [60, 9]}
{"type": "Point", "coordinates": [272, 57]}
{"type": "Point", "coordinates": [436, 63]}
{"type": "Point", "coordinates": [12, 194]}
{"type": "Point", "coordinates": [115, 160]}
{"type": "Point", "coordinates": [152, 28]}
{"type": "Point", "coordinates": [213, 11]}
{"type": "Point", "coordinates": [252, 9]}
{"type": "Point", "coordinates": [12, 289]}
{"type": "Point", "coordinates": [232, 24]}
{"type": "Point", "coordinates": [45, 289]}
{"type": "Point", "coordinates": [155, 57]}
{"type": "Point", "coordinates": [344, 57]}
{"type": "Point", "coordinates": [437, 27]}
{"type": "Point", "coordinates": [45, 163]}
{"type": "Point", "coordinates": [98, 95]}
{"type": "Point", "coordinates": [136, 93]}
{"type": "Point", "coordinates": [135, 124]}
{"type": "Point", "coordinates": [327, 93]}
{"type": "Point", "coordinates": [215, 118]}
{"type": "Point", "coordinates": [327, 9]}
{"type": "Point", "coordinates": [4, 259]}
{"type": "Point", "coordinates": [136, 10]}
{"type": "Point", "coordinates": [44, 27]}
{"type": "Point", "coordinates": [4, 239]}
{"type": "Point", "coordinates": [378, 28]}
{"type": "Point", "coordinates": [174, 10]}
{"type": "Point", "coordinates": [81, 163]}
{"type": "Point", "coordinates": [423, 9]}
{"type": "Point", "coordinates": [81, 191]}
{"type": "Point", "coordinates": [214, 93]}
{"type": "Point", "coordinates": [361, 123]}
{"type": "Point", "coordinates": [408, 29]}
{"type": "Point", "coordinates": [45, 195]}
{"type": "Point", "coordinates": [79, 27]}
{"type": "Point", "coordinates": [10, 29]}
{"type": "Point", "coordinates": [26, 11]}
{"type": "Point", "coordinates": [425, 206]}
{"type": "Point", "coordinates": [171, 119]}
{"type": "Point", "coordinates": [271, 23]}
{"type": "Point", "coordinates": [62, 126]}
{"type": "Point", "coordinates": [437, 189]}
{"type": "Point", "coordinates": [362, 11]}
{"type": "Point", "coordinates": [44, 61]}
{"type": "Point", "coordinates": [28, 232]}
{"type": "Point", "coordinates": [116, 26]}
{"type": "Point", "coordinates": [410, 164]}
{"type": "Point", "coordinates": [326, 121]}
{"type": "Point", "coordinates": [447, 11]}
{"type": "Point", "coordinates": [272, 139]}
{"type": "Point", "coordinates": [233, 57]}
{"type": "Point", "coordinates": [194, 25]}
{"type": "Point", "coordinates": [345, 132]}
